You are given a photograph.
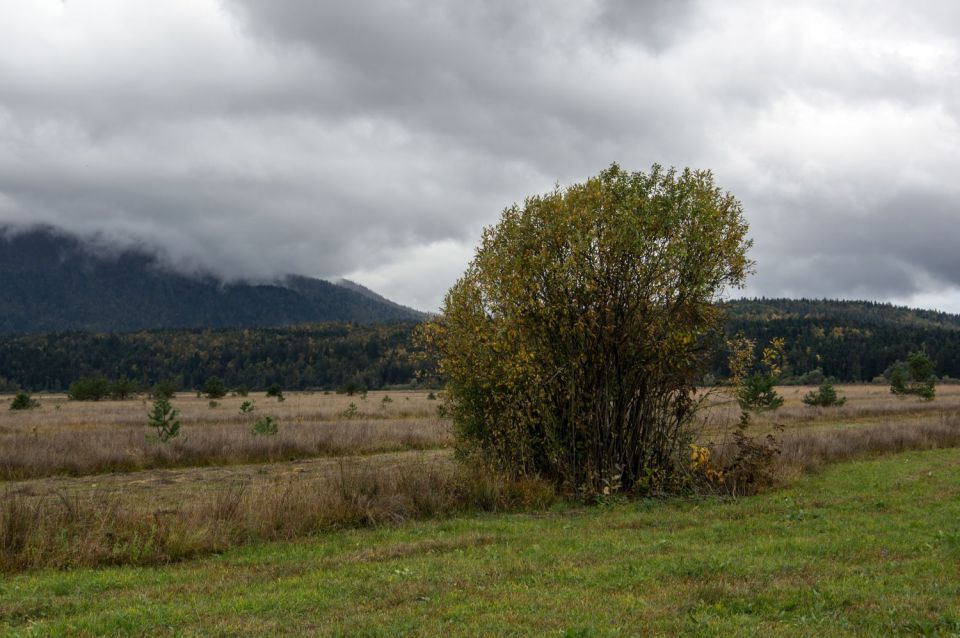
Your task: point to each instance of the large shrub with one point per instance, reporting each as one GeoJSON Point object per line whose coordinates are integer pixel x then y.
{"type": "Point", "coordinates": [572, 342]}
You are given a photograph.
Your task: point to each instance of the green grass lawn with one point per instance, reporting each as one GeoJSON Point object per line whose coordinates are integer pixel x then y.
{"type": "Point", "coordinates": [869, 548]}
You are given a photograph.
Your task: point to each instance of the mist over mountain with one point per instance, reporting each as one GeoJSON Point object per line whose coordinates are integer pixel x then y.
{"type": "Point", "coordinates": [55, 282]}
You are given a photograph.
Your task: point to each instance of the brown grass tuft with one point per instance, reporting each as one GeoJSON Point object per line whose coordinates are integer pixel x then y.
{"type": "Point", "coordinates": [806, 451]}
{"type": "Point", "coordinates": [78, 452]}
{"type": "Point", "coordinates": [98, 529]}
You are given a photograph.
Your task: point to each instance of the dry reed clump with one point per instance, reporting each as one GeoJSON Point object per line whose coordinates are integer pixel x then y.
{"type": "Point", "coordinates": [77, 452]}
{"type": "Point", "coordinates": [104, 529]}
{"type": "Point", "coordinates": [805, 451]}
{"type": "Point", "coordinates": [790, 454]}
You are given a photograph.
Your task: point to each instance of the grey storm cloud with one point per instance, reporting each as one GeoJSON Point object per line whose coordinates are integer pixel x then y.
{"type": "Point", "coordinates": [252, 138]}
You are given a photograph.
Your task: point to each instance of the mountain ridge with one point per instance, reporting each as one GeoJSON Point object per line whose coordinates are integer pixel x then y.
{"type": "Point", "coordinates": [56, 282]}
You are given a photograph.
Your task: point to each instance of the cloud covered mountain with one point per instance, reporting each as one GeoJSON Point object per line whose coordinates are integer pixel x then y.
{"type": "Point", "coordinates": [55, 282]}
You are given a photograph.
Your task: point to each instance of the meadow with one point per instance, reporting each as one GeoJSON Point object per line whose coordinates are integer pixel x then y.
{"type": "Point", "coordinates": [354, 518]}
{"type": "Point", "coordinates": [79, 438]}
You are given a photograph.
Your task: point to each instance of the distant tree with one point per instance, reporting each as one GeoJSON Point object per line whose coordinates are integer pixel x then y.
{"type": "Point", "coordinates": [214, 388]}
{"type": "Point", "coordinates": [23, 401]}
{"type": "Point", "coordinates": [241, 391]}
{"type": "Point", "coordinates": [755, 391]}
{"type": "Point", "coordinates": [89, 389]}
{"type": "Point", "coordinates": [914, 376]}
{"type": "Point", "coordinates": [814, 377]}
{"type": "Point", "coordinates": [752, 463]}
{"type": "Point", "coordinates": [351, 388]}
{"type": "Point", "coordinates": [274, 390]}
{"type": "Point", "coordinates": [164, 389]}
{"type": "Point", "coordinates": [758, 394]}
{"type": "Point", "coordinates": [123, 388]}
{"type": "Point", "coordinates": [825, 396]}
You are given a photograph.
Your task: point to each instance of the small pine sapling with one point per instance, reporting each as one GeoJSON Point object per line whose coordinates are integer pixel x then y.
{"type": "Point", "coordinates": [825, 397]}
{"type": "Point", "coordinates": [163, 418]}
{"type": "Point", "coordinates": [265, 426]}
{"type": "Point", "coordinates": [23, 401]}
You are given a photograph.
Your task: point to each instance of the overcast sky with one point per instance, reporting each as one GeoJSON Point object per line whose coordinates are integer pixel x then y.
{"type": "Point", "coordinates": [374, 140]}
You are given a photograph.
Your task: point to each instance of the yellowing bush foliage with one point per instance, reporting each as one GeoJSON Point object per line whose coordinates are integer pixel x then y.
{"type": "Point", "coordinates": [571, 343]}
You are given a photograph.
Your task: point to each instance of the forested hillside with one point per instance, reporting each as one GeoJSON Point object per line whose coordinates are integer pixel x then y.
{"type": "Point", "coordinates": [53, 282]}
{"type": "Point", "coordinates": [849, 340]}
{"type": "Point", "coordinates": [852, 341]}
{"type": "Point", "coordinates": [315, 356]}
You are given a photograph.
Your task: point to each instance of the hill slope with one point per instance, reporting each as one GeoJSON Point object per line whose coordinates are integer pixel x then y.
{"type": "Point", "coordinates": [849, 340]}
{"type": "Point", "coordinates": [860, 312]}
{"type": "Point", "coordinates": [54, 283]}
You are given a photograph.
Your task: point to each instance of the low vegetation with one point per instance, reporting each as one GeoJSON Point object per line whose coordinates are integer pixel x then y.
{"type": "Point", "coordinates": [156, 515]}
{"type": "Point", "coordinates": [265, 426]}
{"type": "Point", "coordinates": [824, 397]}
{"type": "Point", "coordinates": [784, 563]}
{"type": "Point", "coordinates": [79, 438]}
{"type": "Point", "coordinates": [754, 383]}
{"type": "Point", "coordinates": [163, 419]}
{"type": "Point", "coordinates": [109, 528]}
{"type": "Point", "coordinates": [23, 401]}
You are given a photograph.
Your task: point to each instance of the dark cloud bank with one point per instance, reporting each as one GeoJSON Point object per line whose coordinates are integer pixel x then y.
{"type": "Point", "coordinates": [373, 140]}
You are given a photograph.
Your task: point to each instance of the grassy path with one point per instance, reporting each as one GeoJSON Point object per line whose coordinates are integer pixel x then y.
{"type": "Point", "coordinates": [167, 487]}
{"type": "Point", "coordinates": [868, 548]}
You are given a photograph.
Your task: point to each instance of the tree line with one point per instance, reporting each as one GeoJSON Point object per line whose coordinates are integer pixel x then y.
{"type": "Point", "coordinates": [323, 356]}
{"type": "Point", "coordinates": [849, 341]}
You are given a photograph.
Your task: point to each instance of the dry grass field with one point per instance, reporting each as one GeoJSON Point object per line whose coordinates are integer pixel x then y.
{"type": "Point", "coordinates": [79, 438]}
{"type": "Point", "coordinates": [866, 404]}
{"type": "Point", "coordinates": [72, 470]}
